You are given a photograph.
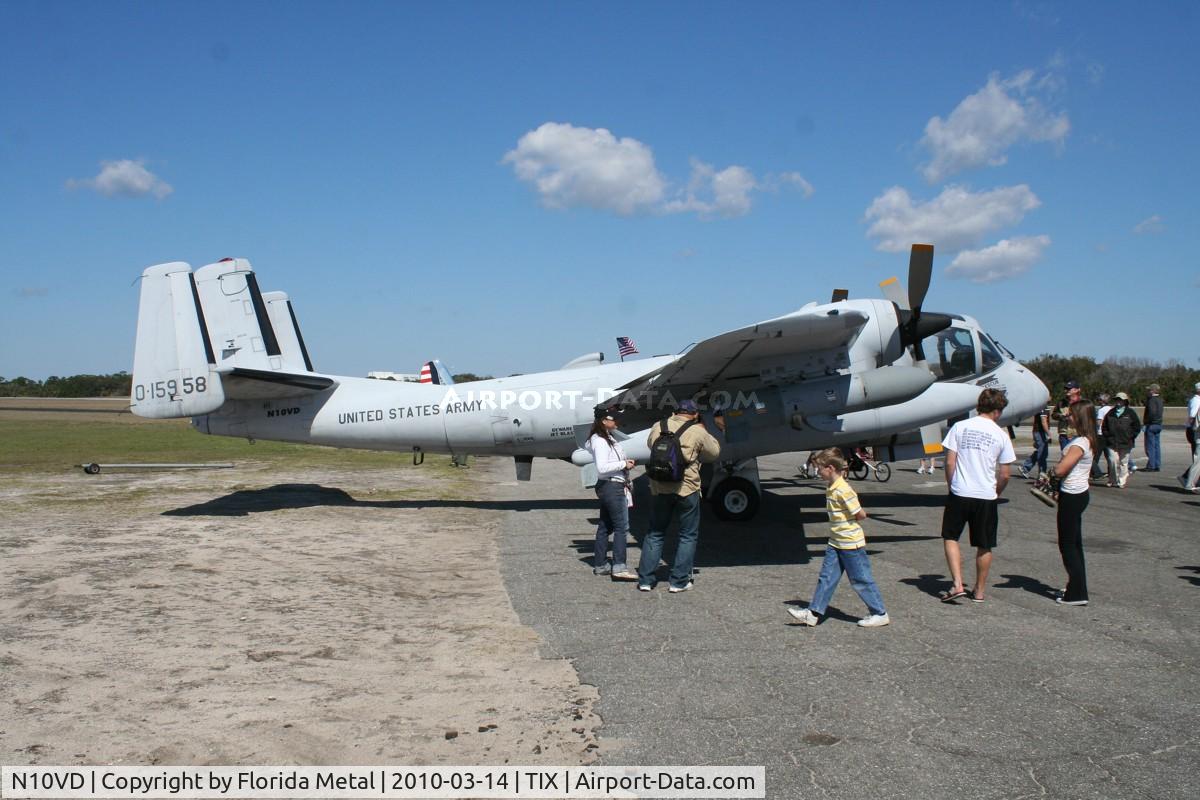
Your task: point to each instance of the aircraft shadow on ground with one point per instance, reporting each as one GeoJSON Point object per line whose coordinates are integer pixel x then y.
{"type": "Point", "coordinates": [1194, 580]}
{"type": "Point", "coordinates": [307, 495]}
{"type": "Point", "coordinates": [789, 529]}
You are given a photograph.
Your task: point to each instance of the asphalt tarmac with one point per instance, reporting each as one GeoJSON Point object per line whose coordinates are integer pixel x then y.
{"type": "Point", "coordinates": [1017, 697]}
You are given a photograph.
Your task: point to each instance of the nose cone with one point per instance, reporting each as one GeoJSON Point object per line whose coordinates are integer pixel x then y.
{"type": "Point", "coordinates": [1027, 395]}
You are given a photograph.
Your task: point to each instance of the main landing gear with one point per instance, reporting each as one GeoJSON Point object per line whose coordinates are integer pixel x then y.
{"type": "Point", "coordinates": [735, 494]}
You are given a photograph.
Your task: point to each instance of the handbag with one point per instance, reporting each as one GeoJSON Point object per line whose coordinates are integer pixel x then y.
{"type": "Point", "coordinates": [1045, 489]}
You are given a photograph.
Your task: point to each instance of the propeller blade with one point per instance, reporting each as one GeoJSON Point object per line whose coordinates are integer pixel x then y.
{"type": "Point", "coordinates": [839, 295]}
{"type": "Point", "coordinates": [920, 268]}
{"type": "Point", "coordinates": [893, 290]}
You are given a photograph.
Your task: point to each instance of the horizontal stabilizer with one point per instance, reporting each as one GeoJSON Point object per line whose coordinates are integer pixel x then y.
{"type": "Point", "coordinates": [256, 384]}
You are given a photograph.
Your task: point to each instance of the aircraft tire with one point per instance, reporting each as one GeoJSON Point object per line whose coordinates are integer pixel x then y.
{"type": "Point", "coordinates": [735, 500]}
{"type": "Point", "coordinates": [92, 469]}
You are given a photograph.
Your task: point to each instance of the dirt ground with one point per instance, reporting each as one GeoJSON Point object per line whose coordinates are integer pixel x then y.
{"type": "Point", "coordinates": [261, 616]}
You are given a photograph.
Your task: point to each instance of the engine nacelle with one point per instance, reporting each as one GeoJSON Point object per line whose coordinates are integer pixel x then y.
{"type": "Point", "coordinates": [859, 391]}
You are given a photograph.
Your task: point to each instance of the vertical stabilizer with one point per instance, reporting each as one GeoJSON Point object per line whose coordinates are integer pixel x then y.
{"type": "Point", "coordinates": [287, 332]}
{"type": "Point", "coordinates": [174, 365]}
{"type": "Point", "coordinates": [242, 334]}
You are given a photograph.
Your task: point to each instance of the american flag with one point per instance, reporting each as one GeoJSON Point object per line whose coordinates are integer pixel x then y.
{"type": "Point", "coordinates": [626, 347]}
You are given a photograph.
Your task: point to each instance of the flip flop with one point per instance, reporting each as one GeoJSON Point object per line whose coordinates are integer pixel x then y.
{"type": "Point", "coordinates": [950, 594]}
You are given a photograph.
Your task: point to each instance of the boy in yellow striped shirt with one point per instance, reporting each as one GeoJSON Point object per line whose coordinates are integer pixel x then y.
{"type": "Point", "coordinates": [846, 550]}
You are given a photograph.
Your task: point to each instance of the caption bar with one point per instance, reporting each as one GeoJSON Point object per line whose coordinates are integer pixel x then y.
{"type": "Point", "coordinates": [383, 782]}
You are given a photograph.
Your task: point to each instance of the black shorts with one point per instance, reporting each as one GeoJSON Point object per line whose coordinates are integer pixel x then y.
{"type": "Point", "coordinates": [981, 515]}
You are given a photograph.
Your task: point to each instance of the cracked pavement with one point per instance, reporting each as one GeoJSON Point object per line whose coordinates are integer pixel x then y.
{"type": "Point", "coordinates": [1014, 698]}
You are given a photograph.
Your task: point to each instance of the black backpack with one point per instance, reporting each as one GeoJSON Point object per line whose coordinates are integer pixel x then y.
{"type": "Point", "coordinates": [666, 455]}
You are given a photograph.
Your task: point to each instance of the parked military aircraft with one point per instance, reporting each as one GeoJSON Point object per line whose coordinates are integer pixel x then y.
{"type": "Point", "coordinates": [213, 347]}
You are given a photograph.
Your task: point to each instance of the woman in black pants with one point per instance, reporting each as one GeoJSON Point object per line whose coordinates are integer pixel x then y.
{"type": "Point", "coordinates": [1073, 470]}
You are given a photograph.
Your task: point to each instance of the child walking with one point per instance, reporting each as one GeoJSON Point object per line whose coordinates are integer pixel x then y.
{"type": "Point", "coordinates": [846, 550]}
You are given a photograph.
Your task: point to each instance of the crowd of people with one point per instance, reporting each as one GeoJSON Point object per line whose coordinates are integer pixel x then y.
{"type": "Point", "coordinates": [978, 454]}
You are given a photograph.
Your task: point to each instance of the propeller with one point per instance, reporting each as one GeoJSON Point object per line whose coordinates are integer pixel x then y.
{"type": "Point", "coordinates": [915, 326]}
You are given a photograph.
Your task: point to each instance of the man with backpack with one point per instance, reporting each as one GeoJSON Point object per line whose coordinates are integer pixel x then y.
{"type": "Point", "coordinates": [677, 447]}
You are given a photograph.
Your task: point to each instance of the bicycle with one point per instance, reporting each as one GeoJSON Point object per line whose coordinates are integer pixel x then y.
{"type": "Point", "coordinates": [859, 464]}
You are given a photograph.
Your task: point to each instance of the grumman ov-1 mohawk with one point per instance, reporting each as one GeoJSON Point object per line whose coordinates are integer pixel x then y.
{"type": "Point", "coordinates": [212, 347]}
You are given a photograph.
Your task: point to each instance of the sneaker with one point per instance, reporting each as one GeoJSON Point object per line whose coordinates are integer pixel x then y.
{"type": "Point", "coordinates": [687, 587]}
{"type": "Point", "coordinates": [1183, 481]}
{"type": "Point", "coordinates": [803, 616]}
{"type": "Point", "coordinates": [1024, 470]}
{"type": "Point", "coordinates": [920, 470]}
{"type": "Point", "coordinates": [625, 575]}
{"type": "Point", "coordinates": [874, 621]}
{"type": "Point", "coordinates": [1064, 602]}
{"type": "Point", "coordinates": [645, 587]}
{"type": "Point", "coordinates": [605, 570]}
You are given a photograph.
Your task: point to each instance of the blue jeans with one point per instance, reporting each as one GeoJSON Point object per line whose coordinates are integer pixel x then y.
{"type": "Point", "coordinates": [1041, 448]}
{"type": "Point", "coordinates": [614, 519]}
{"type": "Point", "coordinates": [1153, 448]}
{"type": "Point", "coordinates": [661, 511]}
{"type": "Point", "coordinates": [855, 564]}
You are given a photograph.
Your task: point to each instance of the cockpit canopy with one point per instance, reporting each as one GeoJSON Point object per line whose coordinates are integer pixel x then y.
{"type": "Point", "coordinates": [963, 352]}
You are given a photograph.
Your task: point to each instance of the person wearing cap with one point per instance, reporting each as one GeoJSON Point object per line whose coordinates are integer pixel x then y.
{"type": "Point", "coordinates": [1152, 419]}
{"type": "Point", "coordinates": [1121, 428]}
{"type": "Point", "coordinates": [1062, 415]}
{"type": "Point", "coordinates": [1188, 479]}
{"type": "Point", "coordinates": [614, 492]}
{"type": "Point", "coordinates": [681, 498]}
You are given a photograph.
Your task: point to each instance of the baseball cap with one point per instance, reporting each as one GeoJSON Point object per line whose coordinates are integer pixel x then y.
{"type": "Point", "coordinates": [687, 407]}
{"type": "Point", "coordinates": [1071, 385]}
{"type": "Point", "coordinates": [612, 412]}
{"type": "Point", "coordinates": [1198, 387]}
{"type": "Point", "coordinates": [1122, 396]}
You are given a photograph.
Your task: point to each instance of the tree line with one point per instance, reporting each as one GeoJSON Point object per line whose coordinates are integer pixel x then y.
{"type": "Point", "coordinates": [1112, 375]}
{"type": "Point", "coordinates": [115, 385]}
{"type": "Point", "coordinates": [1130, 375]}
{"type": "Point", "coordinates": [118, 384]}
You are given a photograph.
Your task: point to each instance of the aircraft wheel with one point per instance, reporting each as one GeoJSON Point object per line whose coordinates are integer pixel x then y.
{"type": "Point", "coordinates": [883, 472]}
{"type": "Point", "coordinates": [735, 499]}
{"type": "Point", "coordinates": [92, 469]}
{"type": "Point", "coordinates": [860, 471]}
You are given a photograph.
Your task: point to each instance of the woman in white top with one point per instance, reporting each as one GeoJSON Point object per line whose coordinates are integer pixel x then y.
{"type": "Point", "coordinates": [614, 492]}
{"type": "Point", "coordinates": [1073, 471]}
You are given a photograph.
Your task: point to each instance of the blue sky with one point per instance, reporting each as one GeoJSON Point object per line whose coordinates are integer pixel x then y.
{"type": "Point", "coordinates": [506, 186]}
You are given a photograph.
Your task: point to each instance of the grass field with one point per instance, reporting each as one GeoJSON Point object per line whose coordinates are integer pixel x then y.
{"type": "Point", "coordinates": [53, 435]}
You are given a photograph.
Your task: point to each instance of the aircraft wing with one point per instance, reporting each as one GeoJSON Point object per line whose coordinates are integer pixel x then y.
{"type": "Point", "coordinates": [807, 343]}
{"type": "Point", "coordinates": [257, 384]}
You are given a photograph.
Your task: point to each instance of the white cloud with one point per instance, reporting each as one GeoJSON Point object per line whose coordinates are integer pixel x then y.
{"type": "Point", "coordinates": [1007, 258]}
{"type": "Point", "coordinates": [954, 220]}
{"type": "Point", "coordinates": [776, 182]}
{"type": "Point", "coordinates": [124, 178]}
{"type": "Point", "coordinates": [725, 193]}
{"type": "Point", "coordinates": [1152, 224]}
{"type": "Point", "coordinates": [570, 167]}
{"type": "Point", "coordinates": [986, 124]}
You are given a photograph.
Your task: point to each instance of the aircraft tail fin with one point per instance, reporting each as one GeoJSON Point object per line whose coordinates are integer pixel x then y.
{"type": "Point", "coordinates": [287, 331]}
{"type": "Point", "coordinates": [174, 364]}
{"type": "Point", "coordinates": [436, 372]}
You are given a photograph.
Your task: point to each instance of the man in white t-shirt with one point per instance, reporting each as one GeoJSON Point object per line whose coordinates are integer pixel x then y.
{"type": "Point", "coordinates": [978, 454]}
{"type": "Point", "coordinates": [1188, 479]}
